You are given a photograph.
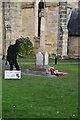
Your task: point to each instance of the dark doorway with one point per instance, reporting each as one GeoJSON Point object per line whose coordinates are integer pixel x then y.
{"type": "Point", "coordinates": [41, 6]}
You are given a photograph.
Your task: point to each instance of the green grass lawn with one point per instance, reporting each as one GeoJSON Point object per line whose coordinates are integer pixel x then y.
{"type": "Point", "coordinates": [64, 60]}
{"type": "Point", "coordinates": [32, 59]}
{"type": "Point", "coordinates": [0, 96]}
{"type": "Point", "coordinates": [26, 59]}
{"type": "Point", "coordinates": [41, 97]}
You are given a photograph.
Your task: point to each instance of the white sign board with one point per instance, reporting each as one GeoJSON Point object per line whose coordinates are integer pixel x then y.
{"type": "Point", "coordinates": [12, 74]}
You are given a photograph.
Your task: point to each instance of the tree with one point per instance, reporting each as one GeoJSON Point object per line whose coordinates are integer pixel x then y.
{"type": "Point", "coordinates": [25, 47]}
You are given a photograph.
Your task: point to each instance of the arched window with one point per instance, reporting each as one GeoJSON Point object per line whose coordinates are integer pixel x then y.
{"type": "Point", "coordinates": [41, 6]}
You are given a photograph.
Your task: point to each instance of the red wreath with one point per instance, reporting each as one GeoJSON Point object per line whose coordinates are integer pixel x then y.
{"type": "Point", "coordinates": [53, 72]}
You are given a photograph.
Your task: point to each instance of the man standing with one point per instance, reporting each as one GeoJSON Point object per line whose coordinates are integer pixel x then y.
{"type": "Point", "coordinates": [55, 59]}
{"type": "Point", "coordinates": [12, 55]}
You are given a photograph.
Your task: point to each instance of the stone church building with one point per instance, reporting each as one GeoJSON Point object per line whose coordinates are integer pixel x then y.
{"type": "Point", "coordinates": [51, 26]}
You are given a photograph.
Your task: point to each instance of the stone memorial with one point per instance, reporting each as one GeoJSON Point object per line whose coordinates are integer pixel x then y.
{"type": "Point", "coordinates": [42, 58]}
{"type": "Point", "coordinates": [46, 59]}
{"type": "Point", "coordinates": [39, 59]}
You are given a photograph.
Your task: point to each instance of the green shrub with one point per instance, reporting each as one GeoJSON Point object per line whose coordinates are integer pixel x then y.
{"type": "Point", "coordinates": [25, 47]}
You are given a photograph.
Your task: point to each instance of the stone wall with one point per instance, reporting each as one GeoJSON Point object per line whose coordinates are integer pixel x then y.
{"type": "Point", "coordinates": [19, 19]}
{"type": "Point", "coordinates": [74, 46]}
{"type": "Point", "coordinates": [51, 28]}
{"type": "Point", "coordinates": [62, 30]}
{"type": "Point", "coordinates": [28, 25]}
{"type": "Point", "coordinates": [0, 28]}
{"type": "Point", "coordinates": [12, 22]}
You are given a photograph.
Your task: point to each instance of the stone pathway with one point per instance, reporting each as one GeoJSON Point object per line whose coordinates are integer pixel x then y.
{"type": "Point", "coordinates": [32, 72]}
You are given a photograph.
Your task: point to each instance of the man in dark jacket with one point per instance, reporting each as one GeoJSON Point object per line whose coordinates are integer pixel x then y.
{"type": "Point", "coordinates": [12, 55]}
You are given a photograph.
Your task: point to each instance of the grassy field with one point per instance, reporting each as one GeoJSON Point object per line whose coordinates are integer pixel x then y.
{"type": "Point", "coordinates": [41, 97]}
{"type": "Point", "coordinates": [30, 59]}
{"type": "Point", "coordinates": [26, 59]}
{"type": "Point", "coordinates": [0, 96]}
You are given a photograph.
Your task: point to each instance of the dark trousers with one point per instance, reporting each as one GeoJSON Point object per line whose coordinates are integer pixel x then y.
{"type": "Point", "coordinates": [55, 61]}
{"type": "Point", "coordinates": [14, 63]}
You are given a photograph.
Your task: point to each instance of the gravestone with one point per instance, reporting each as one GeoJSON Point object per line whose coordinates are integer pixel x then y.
{"type": "Point", "coordinates": [46, 59]}
{"type": "Point", "coordinates": [39, 59]}
{"type": "Point", "coordinates": [42, 60]}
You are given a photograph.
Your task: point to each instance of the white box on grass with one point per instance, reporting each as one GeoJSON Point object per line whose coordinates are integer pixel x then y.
{"type": "Point", "coordinates": [12, 74]}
